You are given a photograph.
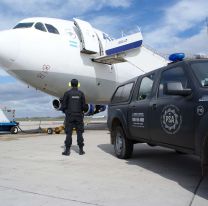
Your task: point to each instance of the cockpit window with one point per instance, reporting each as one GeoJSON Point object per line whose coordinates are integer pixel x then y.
{"type": "Point", "coordinates": [23, 25]}
{"type": "Point", "coordinates": [40, 27]}
{"type": "Point", "coordinates": [51, 29]}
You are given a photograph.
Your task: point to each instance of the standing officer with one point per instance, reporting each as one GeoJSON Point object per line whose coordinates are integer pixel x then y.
{"type": "Point", "coordinates": [73, 106]}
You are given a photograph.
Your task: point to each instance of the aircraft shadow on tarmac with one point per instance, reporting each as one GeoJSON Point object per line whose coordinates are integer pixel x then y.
{"type": "Point", "coordinates": [181, 168]}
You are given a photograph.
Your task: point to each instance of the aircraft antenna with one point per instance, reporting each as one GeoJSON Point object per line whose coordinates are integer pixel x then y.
{"type": "Point", "coordinates": [139, 29]}
{"type": "Point", "coordinates": [123, 34]}
{"type": "Point", "coordinates": [136, 66]}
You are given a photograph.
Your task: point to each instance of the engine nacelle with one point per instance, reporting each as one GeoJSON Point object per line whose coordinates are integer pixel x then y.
{"type": "Point", "coordinates": [57, 104]}
{"type": "Point", "coordinates": [89, 110]}
{"type": "Point", "coordinates": [100, 108]}
{"type": "Point", "coordinates": [94, 109]}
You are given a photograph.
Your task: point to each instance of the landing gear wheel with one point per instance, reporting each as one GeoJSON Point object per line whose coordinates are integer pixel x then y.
{"type": "Point", "coordinates": [14, 130]}
{"type": "Point", "coordinates": [50, 131]}
{"type": "Point", "coordinates": [123, 147]}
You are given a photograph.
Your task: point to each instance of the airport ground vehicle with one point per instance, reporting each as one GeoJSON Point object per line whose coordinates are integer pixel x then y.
{"type": "Point", "coordinates": [166, 107]}
{"type": "Point", "coordinates": [7, 121]}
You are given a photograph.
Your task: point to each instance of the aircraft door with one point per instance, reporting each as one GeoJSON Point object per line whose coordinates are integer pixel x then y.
{"type": "Point", "coordinates": [90, 42]}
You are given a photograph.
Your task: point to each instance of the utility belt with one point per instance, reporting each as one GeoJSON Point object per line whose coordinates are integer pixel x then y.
{"type": "Point", "coordinates": [75, 114]}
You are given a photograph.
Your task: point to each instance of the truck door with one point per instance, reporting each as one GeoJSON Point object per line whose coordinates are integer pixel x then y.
{"type": "Point", "coordinates": [172, 116]}
{"type": "Point", "coordinates": [139, 108]}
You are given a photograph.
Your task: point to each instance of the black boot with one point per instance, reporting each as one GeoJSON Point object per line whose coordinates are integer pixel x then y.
{"type": "Point", "coordinates": [81, 151]}
{"type": "Point", "coordinates": [66, 151]}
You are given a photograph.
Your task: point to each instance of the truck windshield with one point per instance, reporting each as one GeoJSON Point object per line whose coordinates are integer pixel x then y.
{"type": "Point", "coordinates": [201, 71]}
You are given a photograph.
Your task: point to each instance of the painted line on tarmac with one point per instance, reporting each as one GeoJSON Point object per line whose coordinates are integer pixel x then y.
{"type": "Point", "coordinates": [50, 196]}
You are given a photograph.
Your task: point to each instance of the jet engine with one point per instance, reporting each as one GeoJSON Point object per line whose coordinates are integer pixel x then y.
{"type": "Point", "coordinates": [57, 104]}
{"type": "Point", "coordinates": [100, 108]}
{"type": "Point", "coordinates": [89, 110]}
{"type": "Point", "coordinates": [94, 109]}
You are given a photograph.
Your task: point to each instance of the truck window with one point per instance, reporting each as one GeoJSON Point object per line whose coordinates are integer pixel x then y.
{"type": "Point", "coordinates": [201, 71]}
{"type": "Point", "coordinates": [175, 74]}
{"type": "Point", "coordinates": [122, 94]}
{"type": "Point", "coordinates": [145, 87]}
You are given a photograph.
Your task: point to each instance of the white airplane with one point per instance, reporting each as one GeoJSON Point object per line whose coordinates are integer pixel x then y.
{"type": "Point", "coordinates": [47, 53]}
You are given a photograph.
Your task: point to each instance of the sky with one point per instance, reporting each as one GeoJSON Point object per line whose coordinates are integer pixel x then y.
{"type": "Point", "coordinates": [167, 27]}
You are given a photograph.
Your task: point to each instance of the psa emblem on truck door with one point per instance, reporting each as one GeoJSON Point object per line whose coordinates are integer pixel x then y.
{"type": "Point", "coordinates": [171, 119]}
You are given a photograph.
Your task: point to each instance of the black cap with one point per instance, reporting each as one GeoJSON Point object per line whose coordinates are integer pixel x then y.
{"type": "Point", "coordinates": [74, 82]}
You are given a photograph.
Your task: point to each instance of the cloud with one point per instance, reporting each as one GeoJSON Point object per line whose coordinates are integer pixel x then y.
{"type": "Point", "coordinates": [112, 25]}
{"type": "Point", "coordinates": [165, 35]}
{"type": "Point", "coordinates": [3, 73]}
{"type": "Point", "coordinates": [185, 14]}
{"type": "Point", "coordinates": [26, 101]}
{"type": "Point", "coordinates": [58, 8]}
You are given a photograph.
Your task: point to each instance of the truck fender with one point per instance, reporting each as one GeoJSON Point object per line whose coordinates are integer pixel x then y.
{"type": "Point", "coordinates": [119, 115]}
{"type": "Point", "coordinates": [201, 134]}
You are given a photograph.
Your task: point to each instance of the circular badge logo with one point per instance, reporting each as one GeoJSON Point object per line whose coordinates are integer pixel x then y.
{"type": "Point", "coordinates": [171, 119]}
{"type": "Point", "coordinates": [200, 110]}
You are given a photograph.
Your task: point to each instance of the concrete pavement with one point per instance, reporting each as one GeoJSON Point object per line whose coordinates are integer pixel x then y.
{"type": "Point", "coordinates": [33, 172]}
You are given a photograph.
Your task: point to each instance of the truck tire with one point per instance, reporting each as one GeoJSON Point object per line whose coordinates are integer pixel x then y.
{"type": "Point", "coordinates": [50, 131]}
{"type": "Point", "coordinates": [180, 152]}
{"type": "Point", "coordinates": [123, 147]}
{"type": "Point", "coordinates": [14, 130]}
{"type": "Point", "coordinates": [204, 157]}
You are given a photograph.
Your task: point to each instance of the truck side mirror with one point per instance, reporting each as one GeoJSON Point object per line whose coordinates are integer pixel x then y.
{"type": "Point", "coordinates": [176, 88]}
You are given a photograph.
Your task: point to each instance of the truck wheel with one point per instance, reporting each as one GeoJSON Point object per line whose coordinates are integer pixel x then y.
{"type": "Point", "coordinates": [179, 152]}
{"type": "Point", "coordinates": [123, 147]}
{"type": "Point", "coordinates": [204, 158]}
{"type": "Point", "coordinates": [14, 130]}
{"type": "Point", "coordinates": [50, 131]}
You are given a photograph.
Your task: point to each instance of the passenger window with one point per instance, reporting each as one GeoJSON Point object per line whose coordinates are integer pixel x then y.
{"type": "Point", "coordinates": [145, 87]}
{"type": "Point", "coordinates": [175, 74]}
{"type": "Point", "coordinates": [122, 94]}
{"type": "Point", "coordinates": [40, 27]}
{"type": "Point", "coordinates": [51, 29]}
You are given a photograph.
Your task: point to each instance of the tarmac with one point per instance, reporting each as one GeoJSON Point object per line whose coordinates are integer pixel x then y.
{"type": "Point", "coordinates": [33, 172]}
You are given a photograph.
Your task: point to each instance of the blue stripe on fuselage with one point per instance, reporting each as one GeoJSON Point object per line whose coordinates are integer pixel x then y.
{"type": "Point", "coordinates": [124, 48]}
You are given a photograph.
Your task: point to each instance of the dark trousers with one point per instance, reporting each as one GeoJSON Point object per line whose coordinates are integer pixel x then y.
{"type": "Point", "coordinates": [74, 122]}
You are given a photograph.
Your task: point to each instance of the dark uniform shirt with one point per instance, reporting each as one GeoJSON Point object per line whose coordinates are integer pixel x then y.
{"type": "Point", "coordinates": [73, 105]}
{"type": "Point", "coordinates": [73, 102]}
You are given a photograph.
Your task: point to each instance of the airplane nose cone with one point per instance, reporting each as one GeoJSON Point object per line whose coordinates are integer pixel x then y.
{"type": "Point", "coordinates": [8, 48]}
